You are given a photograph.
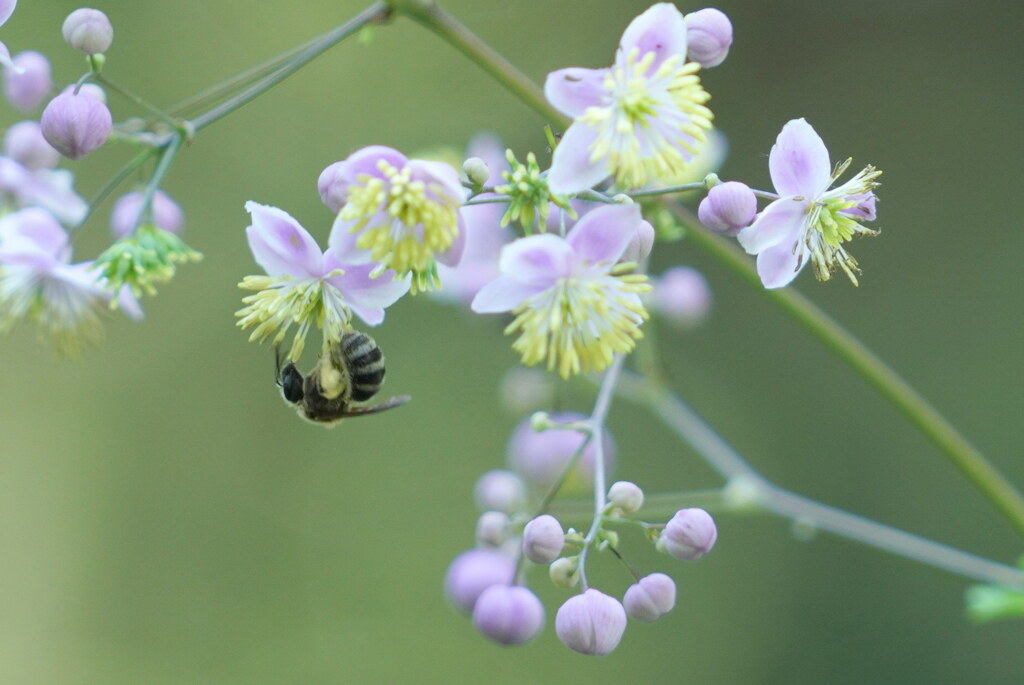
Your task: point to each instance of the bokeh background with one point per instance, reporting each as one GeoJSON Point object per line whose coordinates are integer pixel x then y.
{"type": "Point", "coordinates": [165, 519]}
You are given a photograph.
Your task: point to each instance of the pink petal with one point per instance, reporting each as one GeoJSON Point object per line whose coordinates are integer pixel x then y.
{"type": "Point", "coordinates": [281, 245]}
{"type": "Point", "coordinates": [371, 316]}
{"type": "Point", "coordinates": [604, 233]}
{"type": "Point", "coordinates": [778, 265]}
{"type": "Point", "coordinates": [574, 89]}
{"type": "Point", "coordinates": [571, 168]}
{"type": "Point", "coordinates": [781, 221]}
{"type": "Point", "coordinates": [441, 178]}
{"type": "Point", "coordinates": [7, 9]}
{"type": "Point", "coordinates": [799, 161]}
{"type": "Point", "coordinates": [504, 294]}
{"type": "Point", "coordinates": [33, 230]}
{"type": "Point", "coordinates": [366, 161]}
{"type": "Point", "coordinates": [661, 30]}
{"type": "Point", "coordinates": [537, 259]}
{"type": "Point", "coordinates": [361, 290]}
{"type": "Point", "coordinates": [864, 210]}
{"type": "Point", "coordinates": [342, 242]}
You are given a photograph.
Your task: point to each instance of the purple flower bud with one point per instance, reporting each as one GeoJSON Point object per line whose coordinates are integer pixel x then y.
{"type": "Point", "coordinates": [689, 535]}
{"type": "Point", "coordinates": [640, 244]}
{"type": "Point", "coordinates": [682, 296]}
{"type": "Point", "coordinates": [591, 623]}
{"type": "Point", "coordinates": [508, 614]}
{"type": "Point", "coordinates": [542, 457]}
{"type": "Point", "coordinates": [500, 490]}
{"type": "Point", "coordinates": [124, 218]}
{"type": "Point", "coordinates": [708, 36]}
{"type": "Point", "coordinates": [90, 89]}
{"type": "Point", "coordinates": [492, 528]}
{"type": "Point", "coordinates": [88, 30]}
{"type": "Point", "coordinates": [333, 187]}
{"type": "Point", "coordinates": [76, 124]}
{"type": "Point", "coordinates": [24, 143]}
{"type": "Point", "coordinates": [474, 571]}
{"type": "Point", "coordinates": [728, 208]}
{"type": "Point", "coordinates": [543, 539]}
{"type": "Point", "coordinates": [650, 597]}
{"type": "Point", "coordinates": [626, 496]}
{"type": "Point", "coordinates": [26, 88]}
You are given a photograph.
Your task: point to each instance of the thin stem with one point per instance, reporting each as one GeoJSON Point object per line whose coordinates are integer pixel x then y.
{"type": "Point", "coordinates": [698, 185]}
{"type": "Point", "coordinates": [123, 173]}
{"type": "Point", "coordinates": [376, 12]}
{"type": "Point", "coordinates": [442, 23]}
{"type": "Point", "coordinates": [915, 408]}
{"type": "Point", "coordinates": [138, 100]}
{"type": "Point", "coordinates": [166, 159]}
{"type": "Point", "coordinates": [692, 430]}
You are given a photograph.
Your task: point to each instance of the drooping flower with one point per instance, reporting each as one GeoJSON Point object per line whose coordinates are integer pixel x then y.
{"type": "Point", "coordinates": [402, 213]}
{"type": "Point", "coordinates": [640, 119]}
{"type": "Point", "coordinates": [306, 286]}
{"type": "Point", "coordinates": [809, 222]}
{"type": "Point", "coordinates": [543, 539]}
{"type": "Point", "coordinates": [474, 571]}
{"type": "Point", "coordinates": [708, 36]}
{"type": "Point", "coordinates": [88, 30]}
{"type": "Point", "coordinates": [38, 281]}
{"type": "Point", "coordinates": [575, 306]}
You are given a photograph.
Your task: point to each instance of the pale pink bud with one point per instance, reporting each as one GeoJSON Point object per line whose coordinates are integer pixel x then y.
{"type": "Point", "coordinates": [90, 89]}
{"type": "Point", "coordinates": [474, 571]}
{"type": "Point", "coordinates": [689, 535]}
{"type": "Point", "coordinates": [28, 82]}
{"type": "Point", "coordinates": [728, 208]}
{"type": "Point", "coordinates": [626, 496]}
{"type": "Point", "coordinates": [166, 214]}
{"type": "Point", "coordinates": [492, 528]}
{"type": "Point", "coordinates": [543, 539]}
{"type": "Point", "coordinates": [708, 36]}
{"type": "Point", "coordinates": [24, 143]}
{"type": "Point", "coordinates": [88, 30]}
{"type": "Point", "coordinates": [76, 124]}
{"type": "Point", "coordinates": [650, 597]}
{"type": "Point", "coordinates": [542, 456]}
{"type": "Point", "coordinates": [682, 296]}
{"type": "Point", "coordinates": [500, 490]}
{"type": "Point", "coordinates": [591, 623]}
{"type": "Point", "coordinates": [508, 614]}
{"type": "Point", "coordinates": [640, 244]}
{"type": "Point", "coordinates": [333, 187]}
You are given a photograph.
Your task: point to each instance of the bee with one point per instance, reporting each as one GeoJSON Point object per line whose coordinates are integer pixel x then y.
{"type": "Point", "coordinates": [350, 371]}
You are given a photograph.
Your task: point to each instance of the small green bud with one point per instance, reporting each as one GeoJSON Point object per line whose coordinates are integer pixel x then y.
{"type": "Point", "coordinates": [564, 572]}
{"type": "Point", "coordinates": [476, 171]}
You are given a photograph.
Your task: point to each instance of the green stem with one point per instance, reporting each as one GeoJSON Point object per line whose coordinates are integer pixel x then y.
{"type": "Point", "coordinates": [124, 172]}
{"type": "Point", "coordinates": [887, 382]}
{"type": "Point", "coordinates": [375, 13]}
{"type": "Point", "coordinates": [138, 100]}
{"type": "Point", "coordinates": [166, 159]}
{"type": "Point", "coordinates": [431, 15]}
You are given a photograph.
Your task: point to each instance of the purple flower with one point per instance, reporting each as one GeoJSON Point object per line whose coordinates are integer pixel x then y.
{"type": "Point", "coordinates": [402, 213]}
{"type": "Point", "coordinates": [542, 456]}
{"type": "Point", "coordinates": [46, 188]}
{"type": "Point", "coordinates": [305, 285]}
{"type": "Point", "coordinates": [689, 534]}
{"type": "Point", "coordinates": [27, 80]}
{"type": "Point", "coordinates": [76, 124]}
{"type": "Point", "coordinates": [474, 571]}
{"type": "Point", "coordinates": [508, 614]}
{"type": "Point", "coordinates": [639, 120]}
{"type": "Point", "coordinates": [626, 496]}
{"type": "Point", "coordinates": [591, 623]}
{"type": "Point", "coordinates": [500, 490]}
{"type": "Point", "coordinates": [809, 221]}
{"type": "Point", "coordinates": [37, 280]}
{"type": "Point", "coordinates": [543, 539]}
{"type": "Point", "coordinates": [166, 214]}
{"type": "Point", "coordinates": [575, 307]}
{"type": "Point", "coordinates": [25, 144]}
{"type": "Point", "coordinates": [650, 597]}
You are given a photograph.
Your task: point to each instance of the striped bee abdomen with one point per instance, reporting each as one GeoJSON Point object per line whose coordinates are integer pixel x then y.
{"type": "Point", "coordinates": [365, 364]}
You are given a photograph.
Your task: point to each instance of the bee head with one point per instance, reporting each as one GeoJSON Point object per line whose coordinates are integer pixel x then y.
{"type": "Point", "coordinates": [291, 382]}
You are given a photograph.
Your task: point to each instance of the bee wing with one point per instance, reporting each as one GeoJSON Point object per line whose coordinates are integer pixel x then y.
{"type": "Point", "coordinates": [383, 406]}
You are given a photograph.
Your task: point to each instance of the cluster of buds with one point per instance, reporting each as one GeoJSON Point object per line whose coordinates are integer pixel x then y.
{"type": "Point", "coordinates": [489, 581]}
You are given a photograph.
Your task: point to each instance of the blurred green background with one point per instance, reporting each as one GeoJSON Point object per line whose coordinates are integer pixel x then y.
{"type": "Point", "coordinates": [165, 519]}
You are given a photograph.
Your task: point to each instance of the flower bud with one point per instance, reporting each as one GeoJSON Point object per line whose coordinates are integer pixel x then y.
{"type": "Point", "coordinates": [682, 296]}
{"type": "Point", "coordinates": [88, 30]}
{"type": "Point", "coordinates": [650, 597]}
{"type": "Point", "coordinates": [474, 571]}
{"type": "Point", "coordinates": [333, 186]}
{"type": "Point", "coordinates": [508, 614]}
{"type": "Point", "coordinates": [708, 36]}
{"type": "Point", "coordinates": [166, 214]}
{"type": "Point", "coordinates": [591, 623]}
{"type": "Point", "coordinates": [640, 244]}
{"type": "Point", "coordinates": [28, 82]}
{"type": "Point", "coordinates": [90, 89]}
{"type": "Point", "coordinates": [476, 171]}
{"type": "Point", "coordinates": [541, 457]}
{"type": "Point", "coordinates": [626, 496]}
{"type": "Point", "coordinates": [543, 539]}
{"type": "Point", "coordinates": [564, 572]}
{"type": "Point", "coordinates": [500, 490]}
{"type": "Point", "coordinates": [492, 528]}
{"type": "Point", "coordinates": [728, 208]}
{"type": "Point", "coordinates": [24, 143]}
{"type": "Point", "coordinates": [76, 124]}
{"type": "Point", "coordinates": [689, 535]}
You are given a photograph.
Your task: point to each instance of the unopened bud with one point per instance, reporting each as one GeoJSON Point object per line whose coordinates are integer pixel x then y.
{"type": "Point", "coordinates": [708, 36]}
{"type": "Point", "coordinates": [88, 30]}
{"type": "Point", "coordinates": [508, 614]}
{"type": "Point", "coordinates": [689, 535]}
{"type": "Point", "coordinates": [650, 597]}
{"type": "Point", "coordinates": [728, 208]}
{"type": "Point", "coordinates": [492, 528]}
{"type": "Point", "coordinates": [564, 572]}
{"type": "Point", "coordinates": [333, 186]}
{"type": "Point", "coordinates": [626, 496]}
{"type": "Point", "coordinates": [640, 244]}
{"type": "Point", "coordinates": [543, 539]}
{"type": "Point", "coordinates": [500, 490]}
{"type": "Point", "coordinates": [90, 89]}
{"type": "Point", "coordinates": [474, 571]}
{"type": "Point", "coordinates": [27, 81]}
{"type": "Point", "coordinates": [591, 623]}
{"type": "Point", "coordinates": [682, 296]}
{"type": "Point", "coordinates": [542, 457]}
{"type": "Point", "coordinates": [476, 171]}
{"type": "Point", "coordinates": [76, 124]}
{"type": "Point", "coordinates": [25, 144]}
